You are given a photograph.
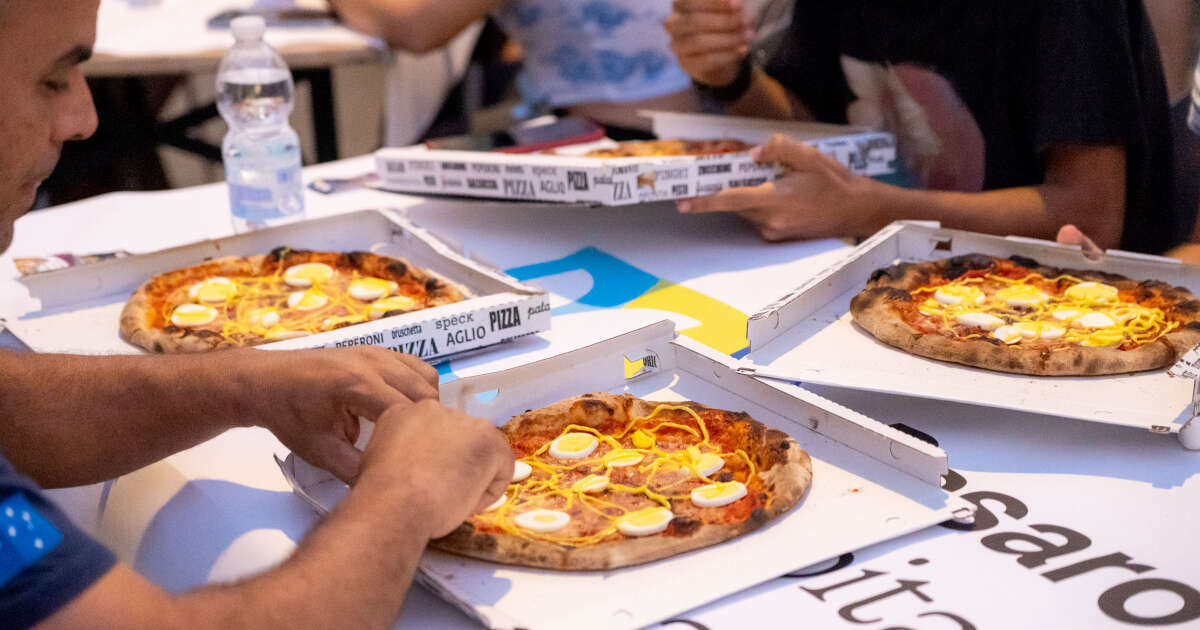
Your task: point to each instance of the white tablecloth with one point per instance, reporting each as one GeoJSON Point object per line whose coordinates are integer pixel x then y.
{"type": "Point", "coordinates": [1112, 512]}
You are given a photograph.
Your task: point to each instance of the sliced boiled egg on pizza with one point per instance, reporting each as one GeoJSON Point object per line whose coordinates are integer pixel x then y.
{"type": "Point", "coordinates": [718, 494]}
{"type": "Point", "coordinates": [573, 445]}
{"type": "Point", "coordinates": [368, 289]}
{"type": "Point", "coordinates": [265, 317]}
{"type": "Point", "coordinates": [309, 300]}
{"type": "Point", "coordinates": [1039, 330]}
{"type": "Point", "coordinates": [495, 505]}
{"type": "Point", "coordinates": [1066, 314]}
{"type": "Point", "coordinates": [191, 315]}
{"type": "Point", "coordinates": [709, 463]}
{"type": "Point", "coordinates": [382, 307]}
{"type": "Point", "coordinates": [1092, 292]}
{"type": "Point", "coordinates": [591, 484]}
{"type": "Point", "coordinates": [279, 334]}
{"type": "Point", "coordinates": [1095, 319]}
{"type": "Point", "coordinates": [957, 294]}
{"type": "Point", "coordinates": [521, 471]}
{"type": "Point", "coordinates": [307, 274]}
{"type": "Point", "coordinates": [620, 458]}
{"type": "Point", "coordinates": [985, 321]}
{"type": "Point", "coordinates": [542, 520]}
{"type": "Point", "coordinates": [645, 522]}
{"type": "Point", "coordinates": [1022, 295]}
{"type": "Point", "coordinates": [1103, 338]}
{"type": "Point", "coordinates": [213, 290]}
{"type": "Point", "coordinates": [1008, 334]}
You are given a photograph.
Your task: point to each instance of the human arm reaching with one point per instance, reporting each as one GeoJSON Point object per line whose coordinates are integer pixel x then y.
{"type": "Point", "coordinates": [425, 470]}
{"type": "Point", "coordinates": [413, 25]}
{"type": "Point", "coordinates": [817, 197]}
{"type": "Point", "coordinates": [71, 420]}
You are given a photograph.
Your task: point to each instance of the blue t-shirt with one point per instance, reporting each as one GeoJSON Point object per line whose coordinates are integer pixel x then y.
{"type": "Point", "coordinates": [593, 51]}
{"type": "Point", "coordinates": [45, 561]}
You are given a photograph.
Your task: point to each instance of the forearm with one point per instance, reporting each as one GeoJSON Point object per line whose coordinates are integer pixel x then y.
{"type": "Point", "coordinates": [1035, 211]}
{"type": "Point", "coordinates": [413, 25]}
{"type": "Point", "coordinates": [350, 572]}
{"type": "Point", "coordinates": [69, 420]}
{"type": "Point", "coordinates": [767, 98]}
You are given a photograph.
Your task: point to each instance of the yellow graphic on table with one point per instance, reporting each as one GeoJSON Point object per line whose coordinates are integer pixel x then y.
{"type": "Point", "coordinates": [721, 328]}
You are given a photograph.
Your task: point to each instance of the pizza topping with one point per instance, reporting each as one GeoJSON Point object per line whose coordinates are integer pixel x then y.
{"type": "Point", "coordinates": [191, 315]}
{"type": "Point", "coordinates": [979, 320]}
{"type": "Point", "coordinates": [1092, 292]}
{"type": "Point", "coordinates": [542, 520]}
{"type": "Point", "coordinates": [279, 334]}
{"type": "Point", "coordinates": [495, 505]}
{"type": "Point", "coordinates": [632, 476]}
{"type": "Point", "coordinates": [718, 494]}
{"type": "Point", "coordinates": [369, 289]}
{"type": "Point", "coordinates": [307, 274]}
{"type": "Point", "coordinates": [379, 308]}
{"type": "Point", "coordinates": [591, 484]}
{"type": "Point", "coordinates": [573, 446]}
{"type": "Point", "coordinates": [309, 300]}
{"type": "Point", "coordinates": [1095, 319]}
{"type": "Point", "coordinates": [645, 522]}
{"type": "Point", "coordinates": [265, 317]}
{"type": "Point", "coordinates": [213, 290]}
{"type": "Point", "coordinates": [709, 463]}
{"type": "Point", "coordinates": [1066, 314]}
{"type": "Point", "coordinates": [621, 458]}
{"type": "Point", "coordinates": [1008, 334]}
{"type": "Point", "coordinates": [957, 294]}
{"type": "Point", "coordinates": [1022, 295]}
{"type": "Point", "coordinates": [521, 471]}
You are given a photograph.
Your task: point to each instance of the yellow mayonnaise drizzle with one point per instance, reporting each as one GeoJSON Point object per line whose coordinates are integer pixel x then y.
{"type": "Point", "coordinates": [534, 491]}
{"type": "Point", "coordinates": [1133, 323]}
{"type": "Point", "coordinates": [244, 300]}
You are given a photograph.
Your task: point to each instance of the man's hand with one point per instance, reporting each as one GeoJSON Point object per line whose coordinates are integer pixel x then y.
{"type": "Point", "coordinates": [817, 197]}
{"type": "Point", "coordinates": [437, 462]}
{"type": "Point", "coordinates": [311, 399]}
{"type": "Point", "coordinates": [710, 38]}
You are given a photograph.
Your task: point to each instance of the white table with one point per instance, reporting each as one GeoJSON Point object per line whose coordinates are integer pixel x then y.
{"type": "Point", "coordinates": [1093, 494]}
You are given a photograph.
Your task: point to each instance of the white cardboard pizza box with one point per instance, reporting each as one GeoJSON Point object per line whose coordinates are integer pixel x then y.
{"type": "Point", "coordinates": [870, 483]}
{"type": "Point", "coordinates": [624, 181]}
{"type": "Point", "coordinates": [81, 306]}
{"type": "Point", "coordinates": [808, 337]}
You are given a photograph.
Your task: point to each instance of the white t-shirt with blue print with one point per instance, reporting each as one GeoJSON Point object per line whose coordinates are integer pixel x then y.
{"type": "Point", "coordinates": [588, 51]}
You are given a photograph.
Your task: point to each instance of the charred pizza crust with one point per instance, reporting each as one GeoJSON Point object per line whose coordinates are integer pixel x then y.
{"type": "Point", "coordinates": [141, 322]}
{"type": "Point", "coordinates": [874, 309]}
{"type": "Point", "coordinates": [784, 470]}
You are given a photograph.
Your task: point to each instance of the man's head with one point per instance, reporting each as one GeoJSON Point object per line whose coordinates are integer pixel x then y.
{"type": "Point", "coordinates": [44, 100]}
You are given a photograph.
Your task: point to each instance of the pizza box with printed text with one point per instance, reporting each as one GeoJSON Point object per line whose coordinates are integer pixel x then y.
{"type": "Point", "coordinates": [870, 483]}
{"type": "Point", "coordinates": [809, 337]}
{"type": "Point", "coordinates": [81, 306]}
{"type": "Point", "coordinates": [570, 177]}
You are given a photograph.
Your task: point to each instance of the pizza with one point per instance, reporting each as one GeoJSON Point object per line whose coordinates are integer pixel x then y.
{"type": "Point", "coordinates": [1016, 315]}
{"type": "Point", "coordinates": [235, 301]}
{"type": "Point", "coordinates": [604, 481]}
{"type": "Point", "coordinates": [672, 147]}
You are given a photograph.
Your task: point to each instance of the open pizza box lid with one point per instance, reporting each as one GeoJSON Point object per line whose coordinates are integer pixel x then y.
{"type": "Point", "coordinates": [81, 306]}
{"type": "Point", "coordinates": [870, 483]}
{"type": "Point", "coordinates": [808, 337]}
{"type": "Point", "coordinates": [569, 177]}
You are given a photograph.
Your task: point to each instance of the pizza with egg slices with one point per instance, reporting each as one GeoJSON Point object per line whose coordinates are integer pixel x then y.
{"type": "Point", "coordinates": [670, 147]}
{"type": "Point", "coordinates": [1016, 315]}
{"type": "Point", "coordinates": [605, 481]}
{"type": "Point", "coordinates": [234, 301]}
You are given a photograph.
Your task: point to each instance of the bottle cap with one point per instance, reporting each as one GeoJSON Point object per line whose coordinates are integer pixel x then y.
{"type": "Point", "coordinates": [248, 27]}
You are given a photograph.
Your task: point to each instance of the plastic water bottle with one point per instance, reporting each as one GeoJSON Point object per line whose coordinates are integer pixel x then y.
{"type": "Point", "coordinates": [261, 150]}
